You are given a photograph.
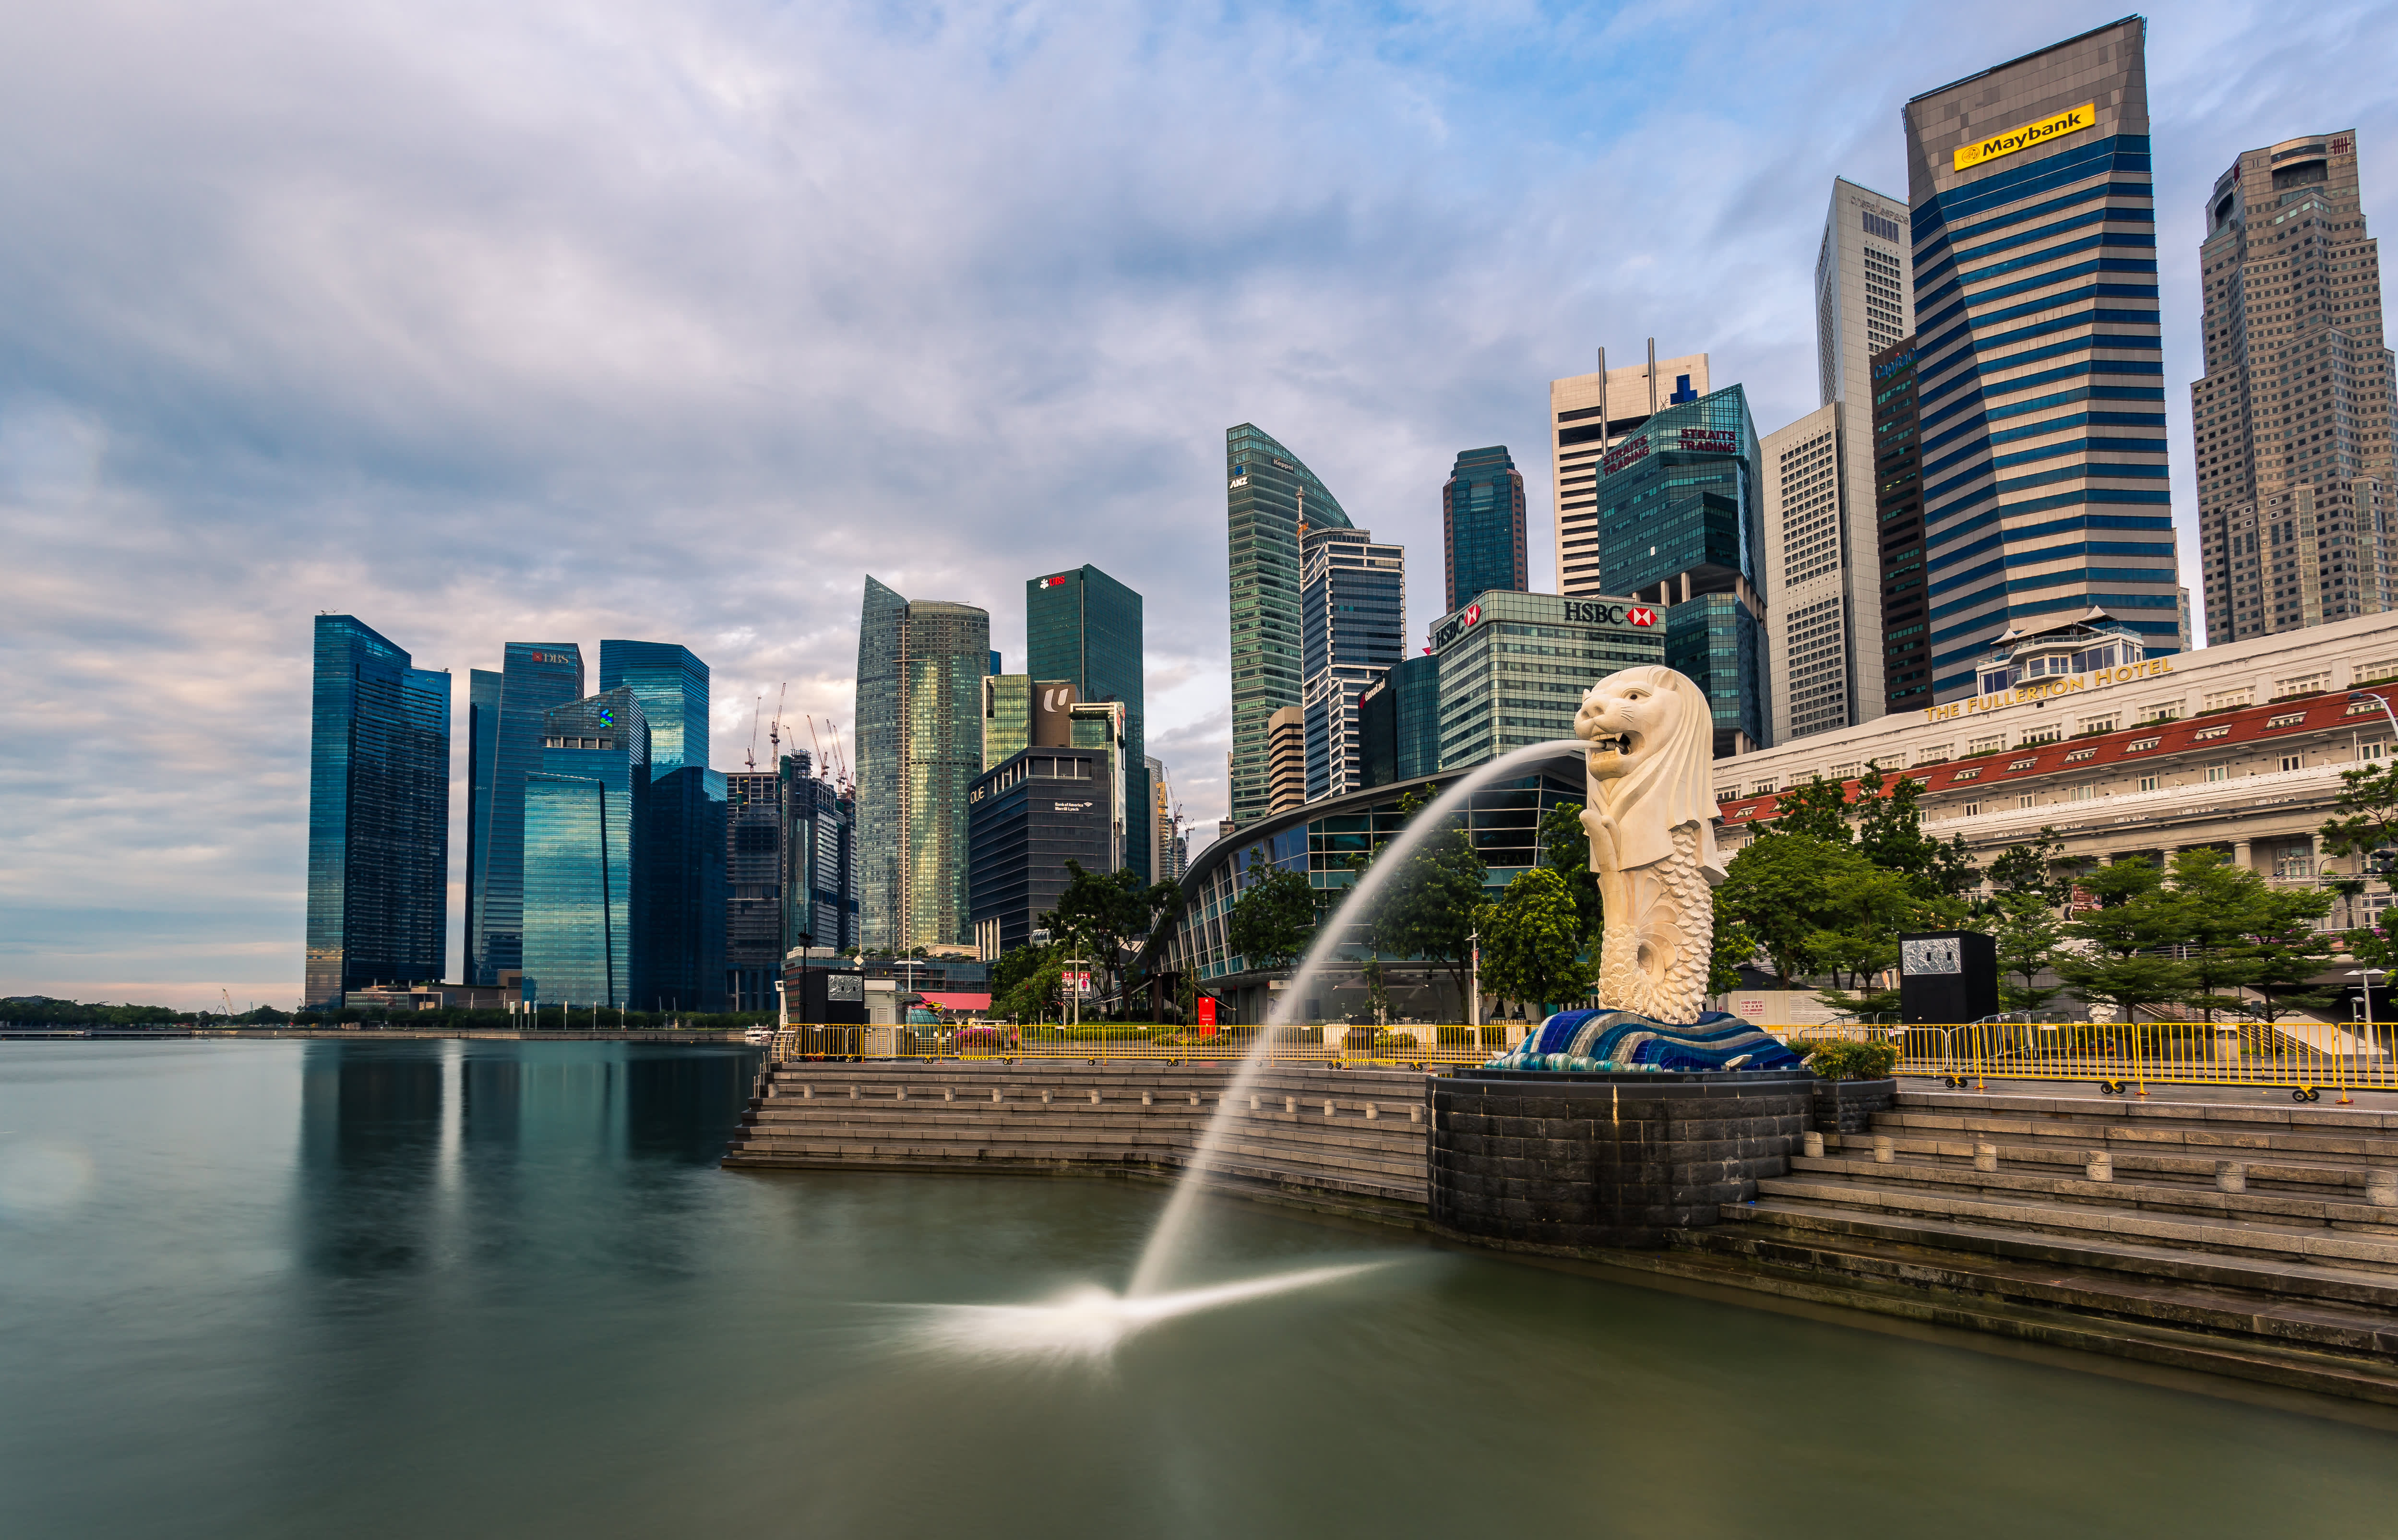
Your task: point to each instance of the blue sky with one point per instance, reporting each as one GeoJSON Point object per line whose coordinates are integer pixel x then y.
{"type": "Point", "coordinates": [557, 322]}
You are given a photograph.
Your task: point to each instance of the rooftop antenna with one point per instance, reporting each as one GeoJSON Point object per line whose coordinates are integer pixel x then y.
{"type": "Point", "coordinates": [1602, 401]}
{"type": "Point", "coordinates": [751, 759]}
{"type": "Point", "coordinates": [1652, 376]}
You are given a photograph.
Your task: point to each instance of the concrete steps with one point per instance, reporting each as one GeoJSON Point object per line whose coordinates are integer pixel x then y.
{"type": "Point", "coordinates": [1359, 1133]}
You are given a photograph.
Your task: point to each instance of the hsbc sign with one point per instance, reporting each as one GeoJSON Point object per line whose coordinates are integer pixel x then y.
{"type": "Point", "coordinates": [1579, 612]}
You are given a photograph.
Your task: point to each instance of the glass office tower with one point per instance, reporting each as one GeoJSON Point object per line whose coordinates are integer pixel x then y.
{"type": "Point", "coordinates": [378, 816]}
{"type": "Point", "coordinates": [1353, 613]}
{"type": "Point", "coordinates": [504, 728]}
{"type": "Point", "coordinates": [682, 827]}
{"type": "Point", "coordinates": [1269, 496]}
{"type": "Point", "coordinates": [1898, 514]}
{"type": "Point", "coordinates": [586, 888]}
{"type": "Point", "coordinates": [671, 685]}
{"type": "Point", "coordinates": [1681, 528]}
{"type": "Point", "coordinates": [921, 665]}
{"type": "Point", "coordinates": [1482, 526]}
{"type": "Point", "coordinates": [1084, 627]}
{"type": "Point", "coordinates": [2039, 371]}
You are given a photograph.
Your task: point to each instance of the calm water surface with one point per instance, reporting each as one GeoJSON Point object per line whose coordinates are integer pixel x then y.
{"type": "Point", "coordinates": [416, 1288]}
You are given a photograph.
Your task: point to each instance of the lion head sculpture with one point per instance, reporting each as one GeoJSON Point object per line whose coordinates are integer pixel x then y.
{"type": "Point", "coordinates": [1650, 761]}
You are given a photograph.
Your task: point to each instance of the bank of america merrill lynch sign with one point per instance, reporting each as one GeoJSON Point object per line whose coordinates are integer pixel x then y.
{"type": "Point", "coordinates": [2046, 689]}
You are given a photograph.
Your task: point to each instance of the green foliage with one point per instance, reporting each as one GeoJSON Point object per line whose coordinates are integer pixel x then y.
{"type": "Point", "coordinates": [1108, 918]}
{"type": "Point", "coordinates": [1274, 916]}
{"type": "Point", "coordinates": [2029, 871]}
{"type": "Point", "coordinates": [2026, 934]}
{"type": "Point", "coordinates": [2224, 929]}
{"type": "Point", "coordinates": [1531, 942]}
{"type": "Point", "coordinates": [1851, 1061]}
{"type": "Point", "coordinates": [1565, 849]}
{"type": "Point", "coordinates": [1817, 809]}
{"type": "Point", "coordinates": [1890, 834]}
{"type": "Point", "coordinates": [1426, 908]}
{"type": "Point", "coordinates": [1734, 945]}
{"type": "Point", "coordinates": [1026, 982]}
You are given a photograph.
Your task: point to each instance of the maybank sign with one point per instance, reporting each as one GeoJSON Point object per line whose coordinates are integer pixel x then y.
{"type": "Point", "coordinates": [2071, 121]}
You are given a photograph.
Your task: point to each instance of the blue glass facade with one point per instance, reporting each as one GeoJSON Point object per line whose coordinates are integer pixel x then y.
{"type": "Point", "coordinates": [2039, 376]}
{"type": "Point", "coordinates": [671, 685]}
{"type": "Point", "coordinates": [1354, 619]}
{"type": "Point", "coordinates": [820, 882]}
{"type": "Point", "coordinates": [508, 711]}
{"type": "Point", "coordinates": [586, 878]}
{"type": "Point", "coordinates": [683, 830]}
{"type": "Point", "coordinates": [1084, 627]}
{"type": "Point", "coordinates": [1416, 682]}
{"type": "Point", "coordinates": [920, 671]}
{"type": "Point", "coordinates": [378, 816]}
{"type": "Point", "coordinates": [1269, 494]}
{"type": "Point", "coordinates": [1681, 527]}
{"type": "Point", "coordinates": [1482, 526]}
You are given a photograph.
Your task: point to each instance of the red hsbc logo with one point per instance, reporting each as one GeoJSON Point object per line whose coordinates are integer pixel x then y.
{"type": "Point", "coordinates": [1472, 614]}
{"type": "Point", "coordinates": [1641, 618]}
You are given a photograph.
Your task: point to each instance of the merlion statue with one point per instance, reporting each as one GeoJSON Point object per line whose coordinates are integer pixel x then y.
{"type": "Point", "coordinates": [1651, 817]}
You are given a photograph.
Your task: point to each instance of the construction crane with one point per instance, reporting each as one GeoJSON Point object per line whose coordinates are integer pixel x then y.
{"type": "Point", "coordinates": [751, 759]}
{"type": "Point", "coordinates": [228, 1000]}
{"type": "Point", "coordinates": [774, 734]}
{"type": "Point", "coordinates": [841, 777]}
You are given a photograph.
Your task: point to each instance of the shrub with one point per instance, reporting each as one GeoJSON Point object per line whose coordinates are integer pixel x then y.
{"type": "Point", "coordinates": [1851, 1060]}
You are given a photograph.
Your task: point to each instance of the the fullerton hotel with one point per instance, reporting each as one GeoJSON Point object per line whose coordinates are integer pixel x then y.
{"type": "Point", "coordinates": [2239, 747]}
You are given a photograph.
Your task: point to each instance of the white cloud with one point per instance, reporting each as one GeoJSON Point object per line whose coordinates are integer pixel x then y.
{"type": "Point", "coordinates": [558, 322]}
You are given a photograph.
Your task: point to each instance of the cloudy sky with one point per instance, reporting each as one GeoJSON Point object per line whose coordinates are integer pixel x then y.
{"type": "Point", "coordinates": [561, 321]}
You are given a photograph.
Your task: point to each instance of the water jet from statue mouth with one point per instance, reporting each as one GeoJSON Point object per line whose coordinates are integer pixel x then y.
{"type": "Point", "coordinates": [1090, 1323]}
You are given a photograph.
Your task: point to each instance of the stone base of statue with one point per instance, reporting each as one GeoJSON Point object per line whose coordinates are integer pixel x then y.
{"type": "Point", "coordinates": [1536, 1151]}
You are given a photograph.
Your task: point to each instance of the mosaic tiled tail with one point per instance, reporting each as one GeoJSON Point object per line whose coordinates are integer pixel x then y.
{"type": "Point", "coordinates": [1616, 1040]}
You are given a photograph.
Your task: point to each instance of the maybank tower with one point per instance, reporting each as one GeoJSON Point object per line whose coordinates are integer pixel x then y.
{"type": "Point", "coordinates": [2039, 364]}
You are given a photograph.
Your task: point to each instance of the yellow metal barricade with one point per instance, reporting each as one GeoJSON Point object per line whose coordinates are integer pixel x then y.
{"type": "Point", "coordinates": [2300, 1054]}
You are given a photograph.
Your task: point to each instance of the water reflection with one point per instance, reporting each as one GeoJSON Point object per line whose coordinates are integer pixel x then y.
{"type": "Point", "coordinates": [369, 1135]}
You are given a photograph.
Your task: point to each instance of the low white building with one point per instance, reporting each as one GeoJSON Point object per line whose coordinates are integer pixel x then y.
{"type": "Point", "coordinates": [2238, 747]}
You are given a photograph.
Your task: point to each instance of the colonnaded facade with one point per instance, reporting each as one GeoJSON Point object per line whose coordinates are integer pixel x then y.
{"type": "Point", "coordinates": [2075, 728]}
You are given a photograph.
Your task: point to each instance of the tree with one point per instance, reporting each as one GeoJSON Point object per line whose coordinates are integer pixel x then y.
{"type": "Point", "coordinates": [2114, 960]}
{"type": "Point", "coordinates": [1816, 809]}
{"type": "Point", "coordinates": [1734, 945]}
{"type": "Point", "coordinates": [1531, 942]}
{"type": "Point", "coordinates": [1024, 982]}
{"type": "Point", "coordinates": [1426, 908]}
{"type": "Point", "coordinates": [2027, 935]}
{"type": "Point", "coordinates": [1890, 834]}
{"type": "Point", "coordinates": [1274, 916]}
{"type": "Point", "coordinates": [1108, 916]}
{"type": "Point", "coordinates": [1565, 849]}
{"type": "Point", "coordinates": [2365, 825]}
{"type": "Point", "coordinates": [2029, 870]}
{"type": "Point", "coordinates": [1778, 888]}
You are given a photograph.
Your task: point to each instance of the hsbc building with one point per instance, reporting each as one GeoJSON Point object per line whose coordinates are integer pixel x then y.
{"type": "Point", "coordinates": [1514, 667]}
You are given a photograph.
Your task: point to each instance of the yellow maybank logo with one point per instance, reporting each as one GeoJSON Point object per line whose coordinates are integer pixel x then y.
{"type": "Point", "coordinates": [2007, 144]}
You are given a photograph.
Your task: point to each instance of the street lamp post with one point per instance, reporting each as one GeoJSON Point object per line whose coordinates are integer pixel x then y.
{"type": "Point", "coordinates": [1473, 981]}
{"type": "Point", "coordinates": [2365, 976]}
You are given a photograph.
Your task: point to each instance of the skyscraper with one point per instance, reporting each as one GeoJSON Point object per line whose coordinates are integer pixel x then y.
{"type": "Point", "coordinates": [1269, 494]}
{"type": "Point", "coordinates": [1353, 612]}
{"type": "Point", "coordinates": [820, 892]}
{"type": "Point", "coordinates": [1809, 651]}
{"type": "Point", "coordinates": [2295, 513]}
{"type": "Point", "coordinates": [756, 873]}
{"type": "Point", "coordinates": [586, 878]}
{"type": "Point", "coordinates": [378, 814]}
{"type": "Point", "coordinates": [1898, 512]}
{"type": "Point", "coordinates": [1286, 759]}
{"type": "Point", "coordinates": [1084, 628]}
{"type": "Point", "coordinates": [1821, 545]}
{"type": "Point", "coordinates": [2038, 373]}
{"type": "Point", "coordinates": [507, 711]}
{"type": "Point", "coordinates": [671, 685]}
{"type": "Point", "coordinates": [1482, 526]}
{"type": "Point", "coordinates": [682, 830]}
{"type": "Point", "coordinates": [921, 665]}
{"type": "Point", "coordinates": [1590, 414]}
{"type": "Point", "coordinates": [1680, 528]}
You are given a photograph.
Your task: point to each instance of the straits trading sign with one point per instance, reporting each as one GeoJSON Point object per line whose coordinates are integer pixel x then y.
{"type": "Point", "coordinates": [2070, 121]}
{"type": "Point", "coordinates": [2046, 689]}
{"type": "Point", "coordinates": [1689, 441]}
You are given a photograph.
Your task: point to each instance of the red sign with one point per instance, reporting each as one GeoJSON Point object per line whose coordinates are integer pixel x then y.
{"type": "Point", "coordinates": [1472, 614]}
{"type": "Point", "coordinates": [1207, 1011]}
{"type": "Point", "coordinates": [1057, 582]}
{"type": "Point", "coordinates": [1638, 616]}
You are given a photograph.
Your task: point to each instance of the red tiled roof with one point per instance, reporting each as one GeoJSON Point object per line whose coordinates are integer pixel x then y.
{"type": "Point", "coordinates": [2315, 713]}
